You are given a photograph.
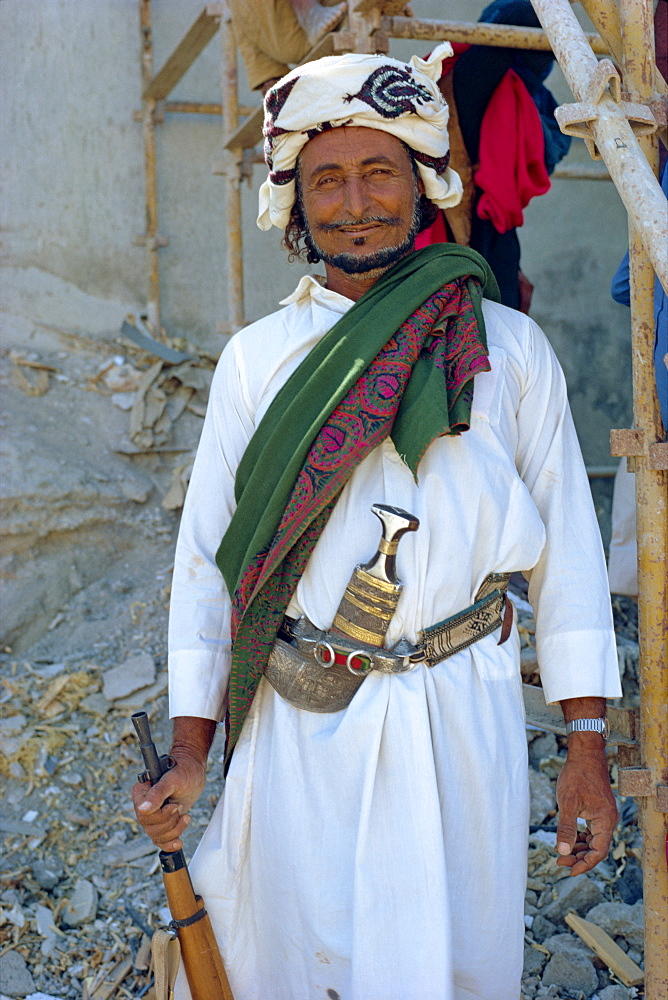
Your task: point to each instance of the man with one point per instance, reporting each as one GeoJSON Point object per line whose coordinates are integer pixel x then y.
{"type": "Point", "coordinates": [272, 33]}
{"type": "Point", "coordinates": [378, 851]}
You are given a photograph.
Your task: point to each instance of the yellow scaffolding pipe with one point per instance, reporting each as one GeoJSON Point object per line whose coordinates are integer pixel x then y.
{"type": "Point", "coordinates": [652, 525]}
{"type": "Point", "coordinates": [232, 159]}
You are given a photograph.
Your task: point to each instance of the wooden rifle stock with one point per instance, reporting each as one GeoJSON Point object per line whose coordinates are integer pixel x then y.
{"type": "Point", "coordinates": [201, 957]}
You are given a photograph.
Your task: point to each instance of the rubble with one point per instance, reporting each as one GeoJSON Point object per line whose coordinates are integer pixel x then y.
{"type": "Point", "coordinates": [578, 894]}
{"type": "Point", "coordinates": [136, 673]}
{"type": "Point", "coordinates": [15, 976]}
{"type": "Point", "coordinates": [572, 971]}
{"type": "Point", "coordinates": [629, 884]}
{"type": "Point", "coordinates": [81, 908]}
{"type": "Point", "coordinates": [543, 798]}
{"type": "Point", "coordinates": [620, 920]}
{"type": "Point", "coordinates": [616, 993]}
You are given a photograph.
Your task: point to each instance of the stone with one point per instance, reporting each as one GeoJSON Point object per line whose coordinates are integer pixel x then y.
{"type": "Point", "coordinates": [43, 996]}
{"type": "Point", "coordinates": [534, 961]}
{"type": "Point", "coordinates": [629, 884]}
{"type": "Point", "coordinates": [578, 893]}
{"type": "Point", "coordinates": [76, 812]}
{"type": "Point", "coordinates": [541, 748]}
{"type": "Point", "coordinates": [15, 977]}
{"type": "Point", "coordinates": [145, 696]}
{"type": "Point", "coordinates": [12, 724]}
{"type": "Point", "coordinates": [136, 489]}
{"type": "Point", "coordinates": [72, 778]}
{"type": "Point", "coordinates": [48, 872]}
{"type": "Point", "coordinates": [16, 915]}
{"type": "Point", "coordinates": [542, 928]}
{"type": "Point", "coordinates": [543, 799]}
{"type": "Point", "coordinates": [615, 992]}
{"type": "Point", "coordinates": [528, 661]}
{"type": "Point", "coordinates": [81, 908]}
{"type": "Point", "coordinates": [569, 944]}
{"type": "Point", "coordinates": [529, 987]}
{"type": "Point", "coordinates": [551, 766]}
{"type": "Point", "coordinates": [620, 920]}
{"type": "Point", "coordinates": [571, 971]}
{"type": "Point", "coordinates": [44, 920]}
{"type": "Point", "coordinates": [136, 673]}
{"type": "Point", "coordinates": [95, 704]}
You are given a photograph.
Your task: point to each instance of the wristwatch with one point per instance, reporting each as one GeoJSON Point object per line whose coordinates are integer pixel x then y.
{"type": "Point", "coordinates": [589, 726]}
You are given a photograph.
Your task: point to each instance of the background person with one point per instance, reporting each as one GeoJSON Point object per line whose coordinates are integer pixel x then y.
{"type": "Point", "coordinates": [505, 143]}
{"type": "Point", "coordinates": [274, 34]}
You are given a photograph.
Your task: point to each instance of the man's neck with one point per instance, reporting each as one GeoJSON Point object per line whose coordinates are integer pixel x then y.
{"type": "Point", "coordinates": [353, 286]}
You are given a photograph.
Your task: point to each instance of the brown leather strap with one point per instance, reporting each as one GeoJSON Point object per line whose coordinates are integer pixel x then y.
{"type": "Point", "coordinates": [507, 621]}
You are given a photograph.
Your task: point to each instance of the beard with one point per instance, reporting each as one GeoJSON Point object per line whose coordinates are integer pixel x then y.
{"type": "Point", "coordinates": [378, 260]}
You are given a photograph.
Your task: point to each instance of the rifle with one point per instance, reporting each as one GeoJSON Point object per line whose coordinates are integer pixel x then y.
{"type": "Point", "coordinates": [202, 961]}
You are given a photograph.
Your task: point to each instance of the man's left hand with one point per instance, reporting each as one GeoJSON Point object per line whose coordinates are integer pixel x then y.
{"type": "Point", "coordinates": [583, 790]}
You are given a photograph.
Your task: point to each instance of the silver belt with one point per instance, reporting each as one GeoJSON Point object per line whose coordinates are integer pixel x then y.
{"type": "Point", "coordinates": [320, 671]}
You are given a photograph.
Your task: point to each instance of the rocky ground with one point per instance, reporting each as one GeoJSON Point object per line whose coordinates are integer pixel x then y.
{"type": "Point", "coordinates": [86, 556]}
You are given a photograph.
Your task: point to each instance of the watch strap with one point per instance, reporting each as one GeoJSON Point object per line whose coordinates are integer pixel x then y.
{"type": "Point", "coordinates": [589, 726]}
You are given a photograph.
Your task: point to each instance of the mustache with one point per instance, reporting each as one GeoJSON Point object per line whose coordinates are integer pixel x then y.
{"type": "Point", "coordinates": [328, 227]}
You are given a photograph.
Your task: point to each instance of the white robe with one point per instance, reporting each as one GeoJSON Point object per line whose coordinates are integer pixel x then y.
{"type": "Point", "coordinates": [379, 853]}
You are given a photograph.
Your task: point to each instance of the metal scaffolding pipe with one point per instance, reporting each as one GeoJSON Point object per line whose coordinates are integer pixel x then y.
{"type": "Point", "coordinates": [638, 66]}
{"type": "Point", "coordinates": [601, 118]}
{"type": "Point", "coordinates": [232, 159]}
{"type": "Point", "coordinates": [604, 14]}
{"type": "Point", "coordinates": [478, 33]}
{"type": "Point", "coordinates": [150, 172]}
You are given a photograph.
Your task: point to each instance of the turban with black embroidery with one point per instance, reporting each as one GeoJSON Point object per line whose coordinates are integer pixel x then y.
{"type": "Point", "coordinates": [372, 91]}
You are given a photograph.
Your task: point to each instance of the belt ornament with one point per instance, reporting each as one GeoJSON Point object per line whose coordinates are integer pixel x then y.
{"type": "Point", "coordinates": [321, 670]}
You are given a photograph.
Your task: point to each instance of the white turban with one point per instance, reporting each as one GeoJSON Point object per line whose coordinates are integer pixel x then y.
{"type": "Point", "coordinates": [372, 91]}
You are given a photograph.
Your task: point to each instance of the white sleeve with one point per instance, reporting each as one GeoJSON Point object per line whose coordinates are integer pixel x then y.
{"type": "Point", "coordinates": [568, 587]}
{"type": "Point", "coordinates": [199, 619]}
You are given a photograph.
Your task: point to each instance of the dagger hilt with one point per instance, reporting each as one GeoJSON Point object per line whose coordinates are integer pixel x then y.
{"type": "Point", "coordinates": [372, 594]}
{"type": "Point", "coordinates": [395, 523]}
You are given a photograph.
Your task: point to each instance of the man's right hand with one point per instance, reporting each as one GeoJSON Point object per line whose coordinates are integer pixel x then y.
{"type": "Point", "coordinates": [182, 785]}
{"type": "Point", "coordinates": [165, 824]}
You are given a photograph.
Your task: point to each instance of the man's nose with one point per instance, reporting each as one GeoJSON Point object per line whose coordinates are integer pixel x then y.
{"type": "Point", "coordinates": [356, 198]}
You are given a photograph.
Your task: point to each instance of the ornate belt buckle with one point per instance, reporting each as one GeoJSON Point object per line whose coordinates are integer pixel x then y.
{"type": "Point", "coordinates": [324, 654]}
{"type": "Point", "coordinates": [357, 661]}
{"type": "Point", "coordinates": [364, 662]}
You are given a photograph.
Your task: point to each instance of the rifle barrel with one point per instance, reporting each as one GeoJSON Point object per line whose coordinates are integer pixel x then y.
{"type": "Point", "coordinates": [149, 753]}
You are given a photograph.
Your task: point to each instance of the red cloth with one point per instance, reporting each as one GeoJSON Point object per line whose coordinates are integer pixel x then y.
{"type": "Point", "coordinates": [458, 49]}
{"type": "Point", "coordinates": [512, 155]}
{"type": "Point", "coordinates": [436, 233]}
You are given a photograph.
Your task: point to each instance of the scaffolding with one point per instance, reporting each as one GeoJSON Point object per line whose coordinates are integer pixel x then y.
{"type": "Point", "coordinates": [620, 116]}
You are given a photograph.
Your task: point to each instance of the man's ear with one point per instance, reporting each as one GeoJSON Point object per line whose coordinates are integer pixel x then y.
{"type": "Point", "coordinates": [420, 185]}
